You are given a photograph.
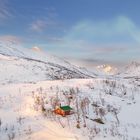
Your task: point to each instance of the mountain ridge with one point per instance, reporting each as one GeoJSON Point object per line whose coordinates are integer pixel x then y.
{"type": "Point", "coordinates": [35, 64]}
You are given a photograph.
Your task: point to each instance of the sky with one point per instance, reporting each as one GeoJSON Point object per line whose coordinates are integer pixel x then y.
{"type": "Point", "coordinates": [86, 32]}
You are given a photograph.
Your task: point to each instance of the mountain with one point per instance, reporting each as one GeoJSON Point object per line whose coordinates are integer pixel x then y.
{"type": "Point", "coordinates": [131, 70]}
{"type": "Point", "coordinates": [104, 108]}
{"type": "Point", "coordinates": [106, 69]}
{"type": "Point", "coordinates": [36, 48]}
{"type": "Point", "coordinates": [26, 65]}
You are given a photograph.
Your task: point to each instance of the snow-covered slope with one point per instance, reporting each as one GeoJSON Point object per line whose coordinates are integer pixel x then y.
{"type": "Point", "coordinates": [104, 107]}
{"type": "Point", "coordinates": [24, 65]}
{"type": "Point", "coordinates": [132, 70]}
{"type": "Point", "coordinates": [115, 102]}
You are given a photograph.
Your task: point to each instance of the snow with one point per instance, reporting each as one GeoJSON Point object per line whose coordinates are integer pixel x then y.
{"type": "Point", "coordinates": [17, 101]}
{"type": "Point", "coordinates": [132, 70]}
{"type": "Point", "coordinates": [24, 65]}
{"type": "Point", "coordinates": [32, 80]}
{"type": "Point", "coordinates": [14, 50]}
{"type": "Point", "coordinates": [106, 69]}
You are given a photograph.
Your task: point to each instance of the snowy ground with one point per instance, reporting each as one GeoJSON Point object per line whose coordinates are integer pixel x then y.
{"type": "Point", "coordinates": [104, 107]}
{"type": "Point", "coordinates": [21, 121]}
{"type": "Point", "coordinates": [115, 101]}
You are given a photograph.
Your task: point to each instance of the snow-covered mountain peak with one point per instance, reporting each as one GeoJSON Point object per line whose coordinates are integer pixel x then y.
{"type": "Point", "coordinates": [133, 64]}
{"type": "Point", "coordinates": [131, 70]}
{"type": "Point", "coordinates": [106, 69]}
{"type": "Point", "coordinates": [36, 49]}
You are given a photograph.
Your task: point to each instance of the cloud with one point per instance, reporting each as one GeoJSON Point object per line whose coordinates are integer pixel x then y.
{"type": "Point", "coordinates": [52, 39]}
{"type": "Point", "coordinates": [114, 35]}
{"type": "Point", "coordinates": [119, 29]}
{"type": "Point", "coordinates": [92, 63]}
{"type": "Point", "coordinates": [111, 48]}
{"type": "Point", "coordinates": [5, 12]}
{"type": "Point", "coordinates": [41, 25]}
{"type": "Point", "coordinates": [48, 22]}
{"type": "Point", "coordinates": [115, 40]}
{"type": "Point", "coordinates": [38, 25]}
{"type": "Point", "coordinates": [11, 39]}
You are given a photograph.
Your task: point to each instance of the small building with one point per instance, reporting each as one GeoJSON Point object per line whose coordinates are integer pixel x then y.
{"type": "Point", "coordinates": [63, 110]}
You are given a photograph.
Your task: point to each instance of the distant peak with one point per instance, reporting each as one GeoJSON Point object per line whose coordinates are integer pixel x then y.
{"type": "Point", "coordinates": [133, 64]}
{"type": "Point", "coordinates": [36, 48]}
{"type": "Point", "coordinates": [106, 68]}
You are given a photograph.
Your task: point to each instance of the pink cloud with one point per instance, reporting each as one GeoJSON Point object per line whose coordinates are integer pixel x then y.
{"type": "Point", "coordinates": [11, 38]}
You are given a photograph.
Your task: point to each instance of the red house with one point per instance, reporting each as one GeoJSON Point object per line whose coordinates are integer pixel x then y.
{"type": "Point", "coordinates": [63, 110]}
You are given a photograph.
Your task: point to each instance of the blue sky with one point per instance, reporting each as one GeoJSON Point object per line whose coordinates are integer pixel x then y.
{"type": "Point", "coordinates": [86, 31]}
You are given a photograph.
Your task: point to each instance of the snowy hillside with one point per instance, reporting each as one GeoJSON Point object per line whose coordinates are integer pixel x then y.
{"type": "Point", "coordinates": [132, 70]}
{"type": "Point", "coordinates": [33, 83]}
{"type": "Point", "coordinates": [24, 65]}
{"type": "Point", "coordinates": [103, 110]}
